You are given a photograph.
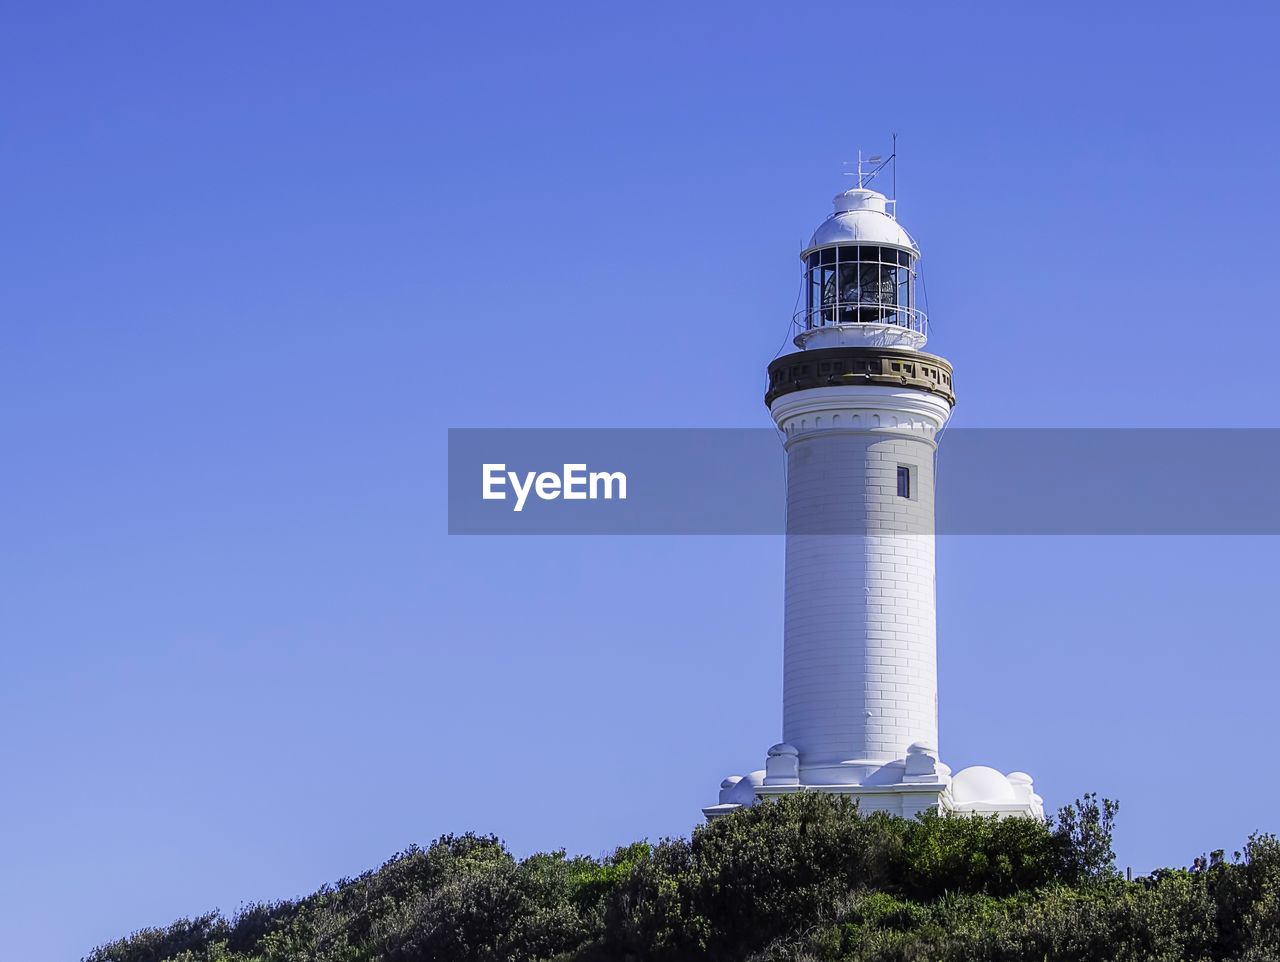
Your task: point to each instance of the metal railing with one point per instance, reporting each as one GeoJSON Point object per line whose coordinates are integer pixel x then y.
{"type": "Point", "coordinates": [851, 313]}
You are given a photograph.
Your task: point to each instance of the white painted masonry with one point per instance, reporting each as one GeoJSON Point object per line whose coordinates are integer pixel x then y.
{"type": "Point", "coordinates": [860, 676]}
{"type": "Point", "coordinates": [859, 661]}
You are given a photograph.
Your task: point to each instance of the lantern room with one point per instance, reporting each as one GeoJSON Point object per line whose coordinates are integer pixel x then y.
{"type": "Point", "coordinates": [860, 273]}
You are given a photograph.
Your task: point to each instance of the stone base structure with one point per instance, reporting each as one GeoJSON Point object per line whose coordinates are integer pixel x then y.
{"type": "Point", "coordinates": [905, 787]}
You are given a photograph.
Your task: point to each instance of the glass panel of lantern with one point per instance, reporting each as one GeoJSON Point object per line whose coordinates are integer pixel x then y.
{"type": "Point", "coordinates": [827, 279]}
{"type": "Point", "coordinates": [810, 278]}
{"type": "Point", "coordinates": [889, 284]}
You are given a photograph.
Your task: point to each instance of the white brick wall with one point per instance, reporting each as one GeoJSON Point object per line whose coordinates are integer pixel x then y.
{"type": "Point", "coordinates": [860, 666]}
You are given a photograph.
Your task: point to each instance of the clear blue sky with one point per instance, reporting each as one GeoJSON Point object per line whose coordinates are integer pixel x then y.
{"type": "Point", "coordinates": [244, 250]}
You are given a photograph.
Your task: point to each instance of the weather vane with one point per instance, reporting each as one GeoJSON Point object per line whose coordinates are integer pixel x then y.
{"type": "Point", "coordinates": [876, 162]}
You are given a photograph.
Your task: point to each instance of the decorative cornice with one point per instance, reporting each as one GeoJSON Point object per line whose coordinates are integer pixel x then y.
{"type": "Point", "coordinates": [860, 409]}
{"type": "Point", "coordinates": [855, 366]}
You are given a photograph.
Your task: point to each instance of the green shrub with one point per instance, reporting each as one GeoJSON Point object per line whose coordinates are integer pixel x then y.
{"type": "Point", "coordinates": [158, 945]}
{"type": "Point", "coordinates": [803, 877]}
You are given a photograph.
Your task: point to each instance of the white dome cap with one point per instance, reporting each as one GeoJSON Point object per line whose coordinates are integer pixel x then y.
{"type": "Point", "coordinates": [743, 791]}
{"type": "Point", "coordinates": [979, 783]}
{"type": "Point", "coordinates": [861, 217]}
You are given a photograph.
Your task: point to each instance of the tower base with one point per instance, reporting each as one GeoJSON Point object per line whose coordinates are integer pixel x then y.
{"type": "Point", "coordinates": [905, 787]}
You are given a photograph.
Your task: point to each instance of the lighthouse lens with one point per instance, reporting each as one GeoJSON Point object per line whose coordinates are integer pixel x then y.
{"type": "Point", "coordinates": [859, 284]}
{"type": "Point", "coordinates": [888, 287]}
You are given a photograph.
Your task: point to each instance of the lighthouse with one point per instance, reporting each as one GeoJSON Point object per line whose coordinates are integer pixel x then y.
{"type": "Point", "coordinates": [860, 407]}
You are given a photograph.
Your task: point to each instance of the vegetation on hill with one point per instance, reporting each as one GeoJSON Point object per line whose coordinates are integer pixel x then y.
{"type": "Point", "coordinates": [805, 877]}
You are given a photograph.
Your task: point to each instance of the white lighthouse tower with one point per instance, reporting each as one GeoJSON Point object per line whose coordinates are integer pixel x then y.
{"type": "Point", "coordinates": [860, 407]}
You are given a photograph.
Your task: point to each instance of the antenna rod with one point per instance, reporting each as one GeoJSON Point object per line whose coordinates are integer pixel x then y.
{"type": "Point", "coordinates": [894, 157]}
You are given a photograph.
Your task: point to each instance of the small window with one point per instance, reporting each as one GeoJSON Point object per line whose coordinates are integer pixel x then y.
{"type": "Point", "coordinates": [904, 481]}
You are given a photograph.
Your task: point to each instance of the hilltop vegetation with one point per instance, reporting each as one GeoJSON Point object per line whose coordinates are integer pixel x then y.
{"type": "Point", "coordinates": [806, 877]}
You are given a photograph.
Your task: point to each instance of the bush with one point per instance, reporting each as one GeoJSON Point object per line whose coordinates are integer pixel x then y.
{"type": "Point", "coordinates": [803, 877]}
{"type": "Point", "coordinates": [977, 854]}
{"type": "Point", "coordinates": [158, 945]}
